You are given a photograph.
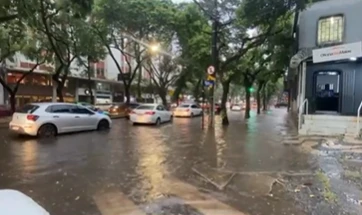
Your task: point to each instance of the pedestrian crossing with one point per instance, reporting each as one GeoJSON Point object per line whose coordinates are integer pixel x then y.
{"type": "Point", "coordinates": [116, 203]}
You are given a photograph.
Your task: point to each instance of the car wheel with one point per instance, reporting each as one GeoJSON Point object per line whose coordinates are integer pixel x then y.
{"type": "Point", "coordinates": [103, 125]}
{"type": "Point", "coordinates": [171, 118]}
{"type": "Point", "coordinates": [47, 130]}
{"type": "Point", "coordinates": [158, 122]}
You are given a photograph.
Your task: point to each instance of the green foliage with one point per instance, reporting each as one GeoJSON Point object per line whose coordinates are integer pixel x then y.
{"type": "Point", "coordinates": [194, 35]}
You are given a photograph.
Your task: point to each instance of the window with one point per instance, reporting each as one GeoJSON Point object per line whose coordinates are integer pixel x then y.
{"type": "Point", "coordinates": [330, 30]}
{"type": "Point", "coordinates": [59, 109]}
{"type": "Point", "coordinates": [100, 73]}
{"type": "Point", "coordinates": [160, 108]}
{"type": "Point", "coordinates": [28, 109]}
{"type": "Point", "coordinates": [145, 107]}
{"type": "Point", "coordinates": [103, 87]}
{"type": "Point", "coordinates": [80, 110]}
{"type": "Point", "coordinates": [194, 106]}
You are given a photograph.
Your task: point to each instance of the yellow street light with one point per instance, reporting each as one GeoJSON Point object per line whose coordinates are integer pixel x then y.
{"type": "Point", "coordinates": [155, 47]}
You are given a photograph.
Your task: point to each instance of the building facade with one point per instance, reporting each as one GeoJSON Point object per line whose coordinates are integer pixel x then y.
{"type": "Point", "coordinates": [38, 86]}
{"type": "Point", "coordinates": [327, 68]}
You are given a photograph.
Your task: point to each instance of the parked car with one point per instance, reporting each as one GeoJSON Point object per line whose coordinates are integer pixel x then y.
{"type": "Point", "coordinates": [122, 109]}
{"type": "Point", "coordinates": [5, 111]}
{"type": "Point", "coordinates": [93, 108]}
{"type": "Point", "coordinates": [217, 108]}
{"type": "Point", "coordinates": [50, 119]}
{"type": "Point", "coordinates": [187, 110]}
{"type": "Point", "coordinates": [150, 114]}
{"type": "Point", "coordinates": [281, 104]}
{"type": "Point", "coordinates": [236, 107]}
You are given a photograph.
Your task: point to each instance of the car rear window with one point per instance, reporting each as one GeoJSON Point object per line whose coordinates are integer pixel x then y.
{"type": "Point", "coordinates": [132, 106]}
{"type": "Point", "coordinates": [146, 107]}
{"type": "Point", "coordinates": [115, 106]}
{"type": "Point", "coordinates": [28, 109]}
{"type": "Point", "coordinates": [184, 106]}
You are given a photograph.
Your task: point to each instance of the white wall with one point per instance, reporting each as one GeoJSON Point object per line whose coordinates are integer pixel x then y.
{"type": "Point", "coordinates": [111, 68]}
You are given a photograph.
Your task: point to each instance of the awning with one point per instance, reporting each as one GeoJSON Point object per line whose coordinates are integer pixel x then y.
{"type": "Point", "coordinates": [296, 60]}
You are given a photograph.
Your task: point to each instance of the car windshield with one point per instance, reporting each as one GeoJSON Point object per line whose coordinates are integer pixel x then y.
{"type": "Point", "coordinates": [145, 107]}
{"type": "Point", "coordinates": [184, 106]}
{"type": "Point", "coordinates": [28, 109]}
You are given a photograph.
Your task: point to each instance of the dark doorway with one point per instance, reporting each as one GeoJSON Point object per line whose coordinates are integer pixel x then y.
{"type": "Point", "coordinates": [327, 90]}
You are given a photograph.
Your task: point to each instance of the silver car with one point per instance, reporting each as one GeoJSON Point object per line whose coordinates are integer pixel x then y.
{"type": "Point", "coordinates": [50, 119]}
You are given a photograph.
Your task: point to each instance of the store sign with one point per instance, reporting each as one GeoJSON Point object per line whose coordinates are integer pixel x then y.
{"type": "Point", "coordinates": [341, 52]}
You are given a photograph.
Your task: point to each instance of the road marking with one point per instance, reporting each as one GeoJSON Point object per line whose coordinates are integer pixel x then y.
{"type": "Point", "coordinates": [116, 203]}
{"type": "Point", "coordinates": [204, 203]}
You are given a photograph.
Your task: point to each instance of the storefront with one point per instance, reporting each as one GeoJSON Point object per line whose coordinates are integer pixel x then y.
{"type": "Point", "coordinates": [35, 88]}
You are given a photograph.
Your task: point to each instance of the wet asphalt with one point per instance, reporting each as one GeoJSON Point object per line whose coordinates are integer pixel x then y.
{"type": "Point", "coordinates": [151, 170]}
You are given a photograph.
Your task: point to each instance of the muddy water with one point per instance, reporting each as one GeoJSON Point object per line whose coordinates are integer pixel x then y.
{"type": "Point", "coordinates": [64, 175]}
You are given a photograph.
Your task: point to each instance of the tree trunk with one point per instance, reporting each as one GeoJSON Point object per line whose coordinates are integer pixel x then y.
{"type": "Point", "coordinates": [264, 99]}
{"type": "Point", "coordinates": [60, 87]}
{"type": "Point", "coordinates": [247, 99]}
{"type": "Point", "coordinates": [258, 96]}
{"type": "Point", "coordinates": [163, 93]}
{"type": "Point", "coordinates": [180, 85]}
{"type": "Point", "coordinates": [127, 93]}
{"type": "Point", "coordinates": [224, 98]}
{"type": "Point", "coordinates": [90, 88]}
{"type": "Point", "coordinates": [197, 90]}
{"type": "Point", "coordinates": [12, 101]}
{"type": "Point", "coordinates": [139, 80]}
{"type": "Point", "coordinates": [258, 102]}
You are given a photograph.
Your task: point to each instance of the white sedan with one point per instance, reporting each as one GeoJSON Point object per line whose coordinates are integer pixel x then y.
{"type": "Point", "coordinates": [236, 107]}
{"type": "Point", "coordinates": [150, 114]}
{"type": "Point", "coordinates": [187, 110]}
{"type": "Point", "coordinates": [50, 119]}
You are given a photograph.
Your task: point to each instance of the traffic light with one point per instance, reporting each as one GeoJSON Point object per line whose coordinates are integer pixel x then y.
{"type": "Point", "coordinates": [251, 89]}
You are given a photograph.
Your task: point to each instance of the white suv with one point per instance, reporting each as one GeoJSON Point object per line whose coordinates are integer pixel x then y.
{"type": "Point", "coordinates": [50, 119]}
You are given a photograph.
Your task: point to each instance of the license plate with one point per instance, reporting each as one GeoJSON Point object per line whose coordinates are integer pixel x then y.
{"type": "Point", "coordinates": [15, 127]}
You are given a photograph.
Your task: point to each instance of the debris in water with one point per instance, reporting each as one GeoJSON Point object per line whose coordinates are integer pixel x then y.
{"type": "Point", "coordinates": [76, 198]}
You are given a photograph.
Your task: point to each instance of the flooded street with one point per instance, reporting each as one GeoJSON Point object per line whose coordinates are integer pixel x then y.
{"type": "Point", "coordinates": [177, 168]}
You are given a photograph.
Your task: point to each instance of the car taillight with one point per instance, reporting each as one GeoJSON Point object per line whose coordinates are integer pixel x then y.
{"type": "Point", "coordinates": [150, 113]}
{"type": "Point", "coordinates": [32, 117]}
{"type": "Point", "coordinates": [132, 112]}
{"type": "Point", "coordinates": [187, 110]}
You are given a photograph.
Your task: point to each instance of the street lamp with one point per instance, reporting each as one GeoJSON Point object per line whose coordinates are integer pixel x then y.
{"type": "Point", "coordinates": [155, 48]}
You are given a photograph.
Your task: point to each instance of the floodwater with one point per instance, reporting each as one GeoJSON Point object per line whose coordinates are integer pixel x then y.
{"type": "Point", "coordinates": [176, 168]}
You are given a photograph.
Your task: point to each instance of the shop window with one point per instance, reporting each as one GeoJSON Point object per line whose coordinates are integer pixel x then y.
{"type": "Point", "coordinates": [330, 30]}
{"type": "Point", "coordinates": [103, 87]}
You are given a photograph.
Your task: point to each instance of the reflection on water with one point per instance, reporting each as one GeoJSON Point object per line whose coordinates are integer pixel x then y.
{"type": "Point", "coordinates": [29, 158]}
{"type": "Point", "coordinates": [151, 159]}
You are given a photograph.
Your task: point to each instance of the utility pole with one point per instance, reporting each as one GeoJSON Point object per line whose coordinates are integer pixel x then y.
{"type": "Point", "coordinates": [214, 59]}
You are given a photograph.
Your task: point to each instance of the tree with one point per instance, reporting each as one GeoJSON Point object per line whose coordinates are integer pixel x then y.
{"type": "Point", "coordinates": [232, 20]}
{"type": "Point", "coordinates": [164, 70]}
{"type": "Point", "coordinates": [193, 33]}
{"type": "Point", "coordinates": [57, 22]}
{"type": "Point", "coordinates": [90, 51]}
{"type": "Point", "coordinates": [130, 27]}
{"type": "Point", "coordinates": [15, 38]}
